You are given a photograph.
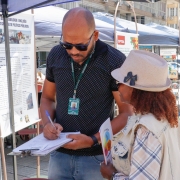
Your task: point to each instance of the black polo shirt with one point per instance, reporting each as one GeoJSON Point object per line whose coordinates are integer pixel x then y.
{"type": "Point", "coordinates": [94, 90]}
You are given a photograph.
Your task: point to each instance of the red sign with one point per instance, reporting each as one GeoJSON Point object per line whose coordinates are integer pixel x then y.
{"type": "Point", "coordinates": [121, 40]}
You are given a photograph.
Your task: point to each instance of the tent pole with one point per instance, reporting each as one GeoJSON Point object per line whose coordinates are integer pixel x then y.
{"type": "Point", "coordinates": [9, 79]}
{"type": "Point", "coordinates": [115, 14]}
{"type": "Point", "coordinates": [35, 66]}
{"type": "Point", "coordinates": [3, 160]}
{"type": "Point", "coordinates": [135, 19]}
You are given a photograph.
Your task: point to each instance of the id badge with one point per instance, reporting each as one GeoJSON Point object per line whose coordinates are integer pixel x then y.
{"type": "Point", "coordinates": [73, 107]}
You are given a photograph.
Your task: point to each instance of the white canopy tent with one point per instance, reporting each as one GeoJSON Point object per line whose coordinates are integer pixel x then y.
{"type": "Point", "coordinates": [147, 35]}
{"type": "Point", "coordinates": [48, 29]}
{"type": "Point", "coordinates": [48, 24]}
{"type": "Point", "coordinates": [169, 30]}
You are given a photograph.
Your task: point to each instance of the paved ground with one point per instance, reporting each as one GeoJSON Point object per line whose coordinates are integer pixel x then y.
{"type": "Point", "coordinates": [26, 167]}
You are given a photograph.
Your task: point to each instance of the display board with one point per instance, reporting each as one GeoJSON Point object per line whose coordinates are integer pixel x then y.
{"type": "Point", "coordinates": [146, 48]}
{"type": "Point", "coordinates": [126, 42]}
{"type": "Point", "coordinates": [168, 53]}
{"type": "Point", "coordinates": [21, 38]}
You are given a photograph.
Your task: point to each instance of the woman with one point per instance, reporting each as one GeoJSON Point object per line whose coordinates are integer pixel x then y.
{"type": "Point", "coordinates": [40, 78]}
{"type": "Point", "coordinates": [40, 82]}
{"type": "Point", "coordinates": [148, 147]}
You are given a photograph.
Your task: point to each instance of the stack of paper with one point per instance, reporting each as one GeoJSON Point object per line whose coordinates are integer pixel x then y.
{"type": "Point", "coordinates": [40, 146]}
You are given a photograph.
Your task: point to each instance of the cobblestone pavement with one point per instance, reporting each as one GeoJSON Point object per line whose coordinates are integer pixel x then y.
{"type": "Point", "coordinates": [26, 167]}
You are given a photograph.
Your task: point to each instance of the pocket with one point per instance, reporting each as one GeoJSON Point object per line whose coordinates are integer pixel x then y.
{"type": "Point", "coordinates": [98, 159]}
{"type": "Point", "coordinates": [120, 149]}
{"type": "Point", "coordinates": [53, 153]}
{"type": "Point", "coordinates": [120, 158]}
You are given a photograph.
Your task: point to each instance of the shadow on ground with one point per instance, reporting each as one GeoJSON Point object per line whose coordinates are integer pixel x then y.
{"type": "Point", "coordinates": [26, 166]}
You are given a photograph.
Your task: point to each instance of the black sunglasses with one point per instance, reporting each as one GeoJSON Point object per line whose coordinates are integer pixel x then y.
{"type": "Point", "coordinates": [80, 47]}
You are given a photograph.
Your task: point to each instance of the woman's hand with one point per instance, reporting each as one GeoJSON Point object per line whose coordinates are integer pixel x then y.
{"type": "Point", "coordinates": [107, 171]}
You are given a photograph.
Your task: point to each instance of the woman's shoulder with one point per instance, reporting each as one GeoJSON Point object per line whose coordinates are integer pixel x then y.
{"type": "Point", "coordinates": [153, 124]}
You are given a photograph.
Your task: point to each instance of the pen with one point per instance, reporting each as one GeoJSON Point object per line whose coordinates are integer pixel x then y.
{"type": "Point", "coordinates": [47, 114]}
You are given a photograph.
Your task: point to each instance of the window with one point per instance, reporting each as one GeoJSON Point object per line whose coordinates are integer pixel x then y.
{"type": "Point", "coordinates": [142, 20]}
{"type": "Point", "coordinates": [171, 12]}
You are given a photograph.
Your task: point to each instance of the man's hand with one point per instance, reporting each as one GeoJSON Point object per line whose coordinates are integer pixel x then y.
{"type": "Point", "coordinates": [107, 170]}
{"type": "Point", "coordinates": [50, 132]}
{"type": "Point", "coordinates": [79, 141]}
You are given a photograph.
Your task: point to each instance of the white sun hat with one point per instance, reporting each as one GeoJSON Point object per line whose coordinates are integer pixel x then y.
{"type": "Point", "coordinates": [143, 70]}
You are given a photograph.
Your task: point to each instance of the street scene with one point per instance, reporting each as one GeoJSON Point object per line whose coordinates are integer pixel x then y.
{"type": "Point", "coordinates": [90, 90]}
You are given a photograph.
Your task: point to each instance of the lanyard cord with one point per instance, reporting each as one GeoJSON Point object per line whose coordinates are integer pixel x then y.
{"type": "Point", "coordinates": [80, 76]}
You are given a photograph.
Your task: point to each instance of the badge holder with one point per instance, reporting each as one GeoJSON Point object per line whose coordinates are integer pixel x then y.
{"type": "Point", "coordinates": [73, 106]}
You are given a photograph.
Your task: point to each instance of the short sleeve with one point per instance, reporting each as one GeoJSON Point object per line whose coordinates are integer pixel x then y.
{"type": "Point", "coordinates": [119, 61]}
{"type": "Point", "coordinates": [49, 63]}
{"type": "Point", "coordinates": [114, 85]}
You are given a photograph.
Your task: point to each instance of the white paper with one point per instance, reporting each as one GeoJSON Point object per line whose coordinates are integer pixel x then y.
{"type": "Point", "coordinates": [44, 145]}
{"type": "Point", "coordinates": [21, 38]}
{"type": "Point", "coordinates": [106, 138]}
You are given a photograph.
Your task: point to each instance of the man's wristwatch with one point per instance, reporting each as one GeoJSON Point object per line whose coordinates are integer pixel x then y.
{"type": "Point", "coordinates": [95, 140]}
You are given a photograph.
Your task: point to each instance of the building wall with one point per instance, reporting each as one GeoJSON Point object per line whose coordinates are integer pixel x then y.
{"type": "Point", "coordinates": [173, 14]}
{"type": "Point", "coordinates": [145, 12]}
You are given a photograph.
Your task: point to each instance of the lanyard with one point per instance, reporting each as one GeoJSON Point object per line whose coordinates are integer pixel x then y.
{"type": "Point", "coordinates": [80, 76]}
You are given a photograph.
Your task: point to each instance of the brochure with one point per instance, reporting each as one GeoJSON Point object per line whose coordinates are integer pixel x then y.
{"type": "Point", "coordinates": [106, 138]}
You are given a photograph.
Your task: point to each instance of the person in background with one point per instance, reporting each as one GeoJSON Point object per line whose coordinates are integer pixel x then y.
{"type": "Point", "coordinates": [79, 71]}
{"type": "Point", "coordinates": [40, 83]}
{"type": "Point", "coordinates": [40, 78]}
{"type": "Point", "coordinates": [148, 147]}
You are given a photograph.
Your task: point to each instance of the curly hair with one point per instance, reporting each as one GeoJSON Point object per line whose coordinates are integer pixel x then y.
{"type": "Point", "coordinates": [161, 104]}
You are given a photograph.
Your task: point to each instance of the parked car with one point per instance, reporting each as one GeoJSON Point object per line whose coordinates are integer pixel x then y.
{"type": "Point", "coordinates": [174, 66]}
{"type": "Point", "coordinates": [176, 92]}
{"type": "Point", "coordinates": [175, 85]}
{"type": "Point", "coordinates": [42, 69]}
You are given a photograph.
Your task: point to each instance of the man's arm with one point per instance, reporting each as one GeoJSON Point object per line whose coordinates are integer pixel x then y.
{"type": "Point", "coordinates": [48, 104]}
{"type": "Point", "coordinates": [83, 141]}
{"type": "Point", "coordinates": [120, 121]}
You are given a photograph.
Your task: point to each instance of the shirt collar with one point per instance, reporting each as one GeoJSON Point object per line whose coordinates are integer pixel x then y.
{"type": "Point", "coordinates": [100, 48]}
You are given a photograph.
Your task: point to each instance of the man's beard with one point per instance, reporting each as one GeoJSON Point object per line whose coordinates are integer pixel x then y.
{"type": "Point", "coordinates": [91, 51]}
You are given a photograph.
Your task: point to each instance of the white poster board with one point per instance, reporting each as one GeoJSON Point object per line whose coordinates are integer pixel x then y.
{"type": "Point", "coordinates": [126, 42]}
{"type": "Point", "coordinates": [21, 37]}
{"type": "Point", "coordinates": [168, 53]}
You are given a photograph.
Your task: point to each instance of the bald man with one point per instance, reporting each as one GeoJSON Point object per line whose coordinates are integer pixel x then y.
{"type": "Point", "coordinates": [79, 72]}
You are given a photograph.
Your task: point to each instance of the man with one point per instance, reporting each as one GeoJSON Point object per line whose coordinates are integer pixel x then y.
{"type": "Point", "coordinates": [79, 71]}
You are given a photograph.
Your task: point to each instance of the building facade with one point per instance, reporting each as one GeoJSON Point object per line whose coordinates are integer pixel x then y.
{"type": "Point", "coordinates": [173, 14]}
{"type": "Point", "coordinates": [145, 12]}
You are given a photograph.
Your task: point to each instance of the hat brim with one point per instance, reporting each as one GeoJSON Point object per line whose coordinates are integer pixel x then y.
{"type": "Point", "coordinates": [116, 74]}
